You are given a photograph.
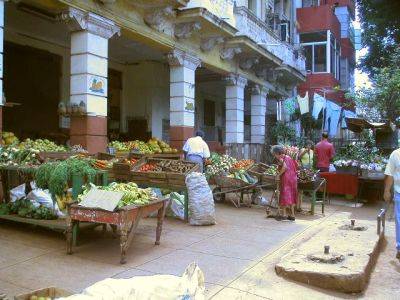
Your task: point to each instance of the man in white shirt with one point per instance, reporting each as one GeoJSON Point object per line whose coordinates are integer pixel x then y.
{"type": "Point", "coordinates": [196, 149]}
{"type": "Point", "coordinates": [392, 173]}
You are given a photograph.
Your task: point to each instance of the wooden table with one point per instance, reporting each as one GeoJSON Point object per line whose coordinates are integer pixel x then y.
{"type": "Point", "coordinates": [125, 219]}
{"type": "Point", "coordinates": [318, 186]}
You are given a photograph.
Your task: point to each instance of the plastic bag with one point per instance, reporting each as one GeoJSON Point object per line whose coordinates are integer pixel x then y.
{"type": "Point", "coordinates": [189, 286]}
{"type": "Point", "coordinates": [201, 201]}
{"type": "Point", "coordinates": [332, 168]}
{"type": "Point", "coordinates": [43, 197]}
{"type": "Point", "coordinates": [177, 205]}
{"type": "Point", "coordinates": [17, 193]}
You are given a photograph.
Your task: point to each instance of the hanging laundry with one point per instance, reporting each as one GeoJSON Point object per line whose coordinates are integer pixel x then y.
{"type": "Point", "coordinates": [347, 114]}
{"type": "Point", "coordinates": [319, 104]}
{"type": "Point", "coordinates": [303, 103]}
{"type": "Point", "coordinates": [290, 105]}
{"type": "Point", "coordinates": [332, 117]}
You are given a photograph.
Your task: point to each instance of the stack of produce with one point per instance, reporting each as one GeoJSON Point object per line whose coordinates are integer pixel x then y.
{"type": "Point", "coordinates": [41, 145]}
{"type": "Point", "coordinates": [130, 161]}
{"type": "Point", "coordinates": [100, 164]}
{"type": "Point", "coordinates": [271, 171]}
{"type": "Point", "coordinates": [25, 208]}
{"type": "Point", "coordinates": [244, 176]}
{"type": "Point", "coordinates": [11, 156]}
{"type": "Point", "coordinates": [243, 164]}
{"type": "Point", "coordinates": [132, 194]}
{"type": "Point", "coordinates": [56, 175]}
{"type": "Point", "coordinates": [306, 175]}
{"type": "Point", "coordinates": [172, 166]}
{"type": "Point", "coordinates": [8, 138]}
{"type": "Point", "coordinates": [220, 164]}
{"type": "Point", "coordinates": [153, 146]}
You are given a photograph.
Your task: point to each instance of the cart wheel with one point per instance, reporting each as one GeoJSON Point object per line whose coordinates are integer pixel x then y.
{"type": "Point", "coordinates": [217, 196]}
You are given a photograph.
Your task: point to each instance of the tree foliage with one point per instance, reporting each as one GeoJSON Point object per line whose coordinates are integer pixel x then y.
{"type": "Point", "coordinates": [380, 23]}
{"type": "Point", "coordinates": [381, 101]}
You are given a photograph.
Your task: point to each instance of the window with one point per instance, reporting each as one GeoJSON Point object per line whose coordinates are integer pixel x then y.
{"type": "Point", "coordinates": [285, 32]}
{"type": "Point", "coordinates": [310, 3]}
{"type": "Point", "coordinates": [252, 5]}
{"type": "Point", "coordinates": [322, 52]}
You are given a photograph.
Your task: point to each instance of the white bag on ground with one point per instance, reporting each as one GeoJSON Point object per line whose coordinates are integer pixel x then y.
{"type": "Point", "coordinates": [177, 206]}
{"type": "Point", "coordinates": [157, 287]}
{"type": "Point", "coordinates": [17, 193]}
{"type": "Point", "coordinates": [201, 201]}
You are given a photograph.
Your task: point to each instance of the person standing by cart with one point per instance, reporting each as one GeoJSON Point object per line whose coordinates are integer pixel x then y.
{"type": "Point", "coordinates": [324, 152]}
{"type": "Point", "coordinates": [392, 180]}
{"type": "Point", "coordinates": [306, 155]}
{"type": "Point", "coordinates": [196, 149]}
{"type": "Point", "coordinates": [288, 183]}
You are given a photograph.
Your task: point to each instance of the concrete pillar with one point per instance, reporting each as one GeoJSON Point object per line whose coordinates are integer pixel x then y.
{"type": "Point", "coordinates": [89, 66]}
{"type": "Point", "coordinates": [258, 110]}
{"type": "Point", "coordinates": [1, 62]}
{"type": "Point", "coordinates": [234, 106]}
{"type": "Point", "coordinates": [182, 96]}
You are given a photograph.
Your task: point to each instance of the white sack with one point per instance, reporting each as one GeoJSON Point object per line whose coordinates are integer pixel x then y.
{"type": "Point", "coordinates": [43, 197]}
{"type": "Point", "coordinates": [157, 287]}
{"type": "Point", "coordinates": [17, 193]}
{"type": "Point", "coordinates": [201, 201]}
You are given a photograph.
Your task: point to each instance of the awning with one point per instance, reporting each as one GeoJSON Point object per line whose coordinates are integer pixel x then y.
{"type": "Point", "coordinates": [359, 124]}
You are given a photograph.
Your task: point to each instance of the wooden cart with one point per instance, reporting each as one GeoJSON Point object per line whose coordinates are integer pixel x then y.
{"type": "Point", "coordinates": [125, 220]}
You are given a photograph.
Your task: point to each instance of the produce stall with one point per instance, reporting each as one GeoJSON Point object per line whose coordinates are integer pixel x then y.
{"type": "Point", "coordinates": [134, 204]}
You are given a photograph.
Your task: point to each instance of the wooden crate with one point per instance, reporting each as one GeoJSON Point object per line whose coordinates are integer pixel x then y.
{"type": "Point", "coordinates": [56, 155]}
{"type": "Point", "coordinates": [51, 292]}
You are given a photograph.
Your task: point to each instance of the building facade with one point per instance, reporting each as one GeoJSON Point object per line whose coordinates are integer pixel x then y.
{"type": "Point", "coordinates": [327, 37]}
{"type": "Point", "coordinates": [97, 70]}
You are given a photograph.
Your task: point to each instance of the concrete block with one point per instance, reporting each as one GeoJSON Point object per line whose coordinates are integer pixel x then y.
{"type": "Point", "coordinates": [258, 100]}
{"type": "Point", "coordinates": [257, 139]}
{"type": "Point", "coordinates": [234, 137]}
{"type": "Point", "coordinates": [182, 89]}
{"type": "Point", "coordinates": [348, 265]}
{"type": "Point", "coordinates": [182, 119]}
{"type": "Point", "coordinates": [234, 92]}
{"type": "Point", "coordinates": [178, 74]}
{"type": "Point", "coordinates": [95, 105]}
{"type": "Point", "coordinates": [234, 126]}
{"type": "Point", "coordinates": [2, 14]}
{"type": "Point", "coordinates": [258, 120]}
{"type": "Point", "coordinates": [85, 42]}
{"type": "Point", "coordinates": [235, 115]}
{"type": "Point", "coordinates": [90, 84]}
{"type": "Point", "coordinates": [258, 110]}
{"type": "Point", "coordinates": [257, 130]}
{"type": "Point", "coordinates": [89, 63]}
{"type": "Point", "coordinates": [234, 104]}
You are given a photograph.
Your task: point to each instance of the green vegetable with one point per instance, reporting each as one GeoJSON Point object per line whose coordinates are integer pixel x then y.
{"type": "Point", "coordinates": [4, 209]}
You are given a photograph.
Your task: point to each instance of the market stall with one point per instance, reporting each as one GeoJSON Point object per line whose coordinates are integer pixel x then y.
{"type": "Point", "coordinates": [132, 203]}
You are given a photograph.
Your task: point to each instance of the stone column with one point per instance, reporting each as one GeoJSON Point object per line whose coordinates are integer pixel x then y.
{"type": "Point", "coordinates": [89, 66]}
{"type": "Point", "coordinates": [182, 92]}
{"type": "Point", "coordinates": [1, 62]}
{"type": "Point", "coordinates": [234, 107]}
{"type": "Point", "coordinates": [258, 109]}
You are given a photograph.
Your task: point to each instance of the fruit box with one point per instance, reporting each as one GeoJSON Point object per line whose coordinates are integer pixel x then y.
{"type": "Point", "coordinates": [52, 292]}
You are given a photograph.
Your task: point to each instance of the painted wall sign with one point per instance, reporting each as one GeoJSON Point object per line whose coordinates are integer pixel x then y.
{"type": "Point", "coordinates": [97, 85]}
{"type": "Point", "coordinates": [189, 106]}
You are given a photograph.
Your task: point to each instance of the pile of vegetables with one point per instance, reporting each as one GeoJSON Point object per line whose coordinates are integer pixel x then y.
{"type": "Point", "coordinates": [12, 156]}
{"type": "Point", "coordinates": [244, 176]}
{"type": "Point", "coordinates": [358, 154]}
{"type": "Point", "coordinates": [25, 208]}
{"type": "Point", "coordinates": [243, 164]}
{"type": "Point", "coordinates": [132, 194]}
{"type": "Point", "coordinates": [173, 166]}
{"type": "Point", "coordinates": [153, 146]}
{"type": "Point", "coordinates": [55, 176]}
{"type": "Point", "coordinates": [8, 138]}
{"type": "Point", "coordinates": [272, 170]}
{"type": "Point", "coordinates": [42, 145]}
{"type": "Point", "coordinates": [219, 164]}
{"type": "Point", "coordinates": [100, 164]}
{"type": "Point", "coordinates": [306, 175]}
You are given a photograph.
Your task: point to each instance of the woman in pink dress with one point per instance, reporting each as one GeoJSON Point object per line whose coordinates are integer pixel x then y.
{"type": "Point", "coordinates": [288, 182]}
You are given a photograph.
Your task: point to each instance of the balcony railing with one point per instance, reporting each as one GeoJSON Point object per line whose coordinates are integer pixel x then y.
{"type": "Point", "coordinates": [250, 25]}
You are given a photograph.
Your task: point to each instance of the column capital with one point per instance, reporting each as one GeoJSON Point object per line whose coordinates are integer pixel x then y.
{"type": "Point", "coordinates": [258, 89]}
{"type": "Point", "coordinates": [78, 20]}
{"type": "Point", "coordinates": [178, 58]}
{"type": "Point", "coordinates": [235, 79]}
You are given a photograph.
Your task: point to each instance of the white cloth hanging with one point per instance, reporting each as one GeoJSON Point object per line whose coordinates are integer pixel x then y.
{"type": "Point", "coordinates": [303, 103]}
